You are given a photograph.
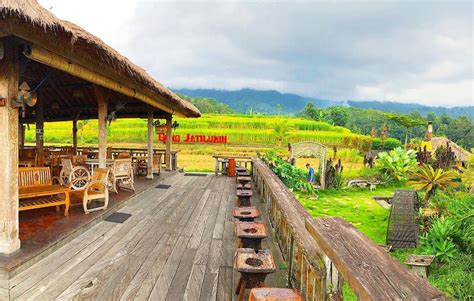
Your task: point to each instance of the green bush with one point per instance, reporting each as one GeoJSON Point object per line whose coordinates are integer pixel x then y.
{"type": "Point", "coordinates": [293, 177]}
{"type": "Point", "coordinates": [397, 164]}
{"type": "Point", "coordinates": [390, 143]}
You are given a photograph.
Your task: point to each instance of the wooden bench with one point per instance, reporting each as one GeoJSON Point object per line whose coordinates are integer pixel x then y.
{"type": "Point", "coordinates": [36, 190]}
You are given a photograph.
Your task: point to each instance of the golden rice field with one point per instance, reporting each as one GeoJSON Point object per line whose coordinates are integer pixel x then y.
{"type": "Point", "coordinates": [246, 134]}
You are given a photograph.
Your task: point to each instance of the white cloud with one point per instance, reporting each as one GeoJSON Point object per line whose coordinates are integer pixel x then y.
{"type": "Point", "coordinates": [401, 51]}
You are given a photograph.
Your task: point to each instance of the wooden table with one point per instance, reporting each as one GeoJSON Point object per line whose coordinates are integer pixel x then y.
{"type": "Point", "coordinates": [94, 163]}
{"type": "Point", "coordinates": [36, 192]}
{"type": "Point", "coordinates": [221, 163]}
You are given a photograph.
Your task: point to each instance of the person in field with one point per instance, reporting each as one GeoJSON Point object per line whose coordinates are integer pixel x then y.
{"type": "Point", "coordinates": [311, 175]}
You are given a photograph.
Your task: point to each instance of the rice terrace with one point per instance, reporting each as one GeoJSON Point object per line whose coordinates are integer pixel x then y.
{"type": "Point", "coordinates": [242, 150]}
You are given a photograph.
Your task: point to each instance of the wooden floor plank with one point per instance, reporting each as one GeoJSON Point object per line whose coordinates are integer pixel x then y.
{"type": "Point", "coordinates": [194, 283]}
{"type": "Point", "coordinates": [178, 245]}
{"type": "Point", "coordinates": [160, 289]}
{"type": "Point", "coordinates": [178, 285]}
{"type": "Point", "coordinates": [224, 284]}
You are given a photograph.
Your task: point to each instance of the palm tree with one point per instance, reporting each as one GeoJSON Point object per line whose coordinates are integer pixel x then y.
{"type": "Point", "coordinates": [281, 130]}
{"type": "Point", "coordinates": [430, 180]}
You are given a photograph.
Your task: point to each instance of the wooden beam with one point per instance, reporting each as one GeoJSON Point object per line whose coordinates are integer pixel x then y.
{"type": "Point", "coordinates": [150, 144]}
{"type": "Point", "coordinates": [102, 116]}
{"type": "Point", "coordinates": [9, 224]}
{"type": "Point", "coordinates": [169, 120]}
{"type": "Point", "coordinates": [371, 273]}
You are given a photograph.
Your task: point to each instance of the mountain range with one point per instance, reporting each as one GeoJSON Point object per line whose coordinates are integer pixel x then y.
{"type": "Point", "coordinates": [271, 102]}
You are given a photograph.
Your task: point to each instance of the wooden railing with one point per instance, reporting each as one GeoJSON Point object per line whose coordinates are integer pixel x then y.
{"type": "Point", "coordinates": [317, 249]}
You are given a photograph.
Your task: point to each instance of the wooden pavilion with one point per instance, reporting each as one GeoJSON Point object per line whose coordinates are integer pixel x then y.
{"type": "Point", "coordinates": [53, 70]}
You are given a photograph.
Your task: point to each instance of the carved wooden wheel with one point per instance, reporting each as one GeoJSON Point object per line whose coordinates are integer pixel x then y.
{"type": "Point", "coordinates": [78, 178]}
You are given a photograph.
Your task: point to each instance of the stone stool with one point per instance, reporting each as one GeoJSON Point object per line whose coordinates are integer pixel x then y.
{"type": "Point", "coordinates": [243, 180]}
{"type": "Point", "coordinates": [246, 214]}
{"type": "Point", "coordinates": [247, 186]}
{"type": "Point", "coordinates": [420, 264]}
{"type": "Point", "coordinates": [240, 169]}
{"type": "Point", "coordinates": [274, 294]}
{"type": "Point", "coordinates": [243, 174]}
{"type": "Point", "coordinates": [243, 197]}
{"type": "Point", "coordinates": [253, 268]}
{"type": "Point", "coordinates": [250, 234]}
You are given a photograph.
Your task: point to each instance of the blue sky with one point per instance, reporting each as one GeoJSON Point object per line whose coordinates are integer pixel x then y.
{"type": "Point", "coordinates": [419, 52]}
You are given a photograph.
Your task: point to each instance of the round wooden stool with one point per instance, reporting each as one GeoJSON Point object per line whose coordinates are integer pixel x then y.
{"type": "Point", "coordinates": [274, 294]}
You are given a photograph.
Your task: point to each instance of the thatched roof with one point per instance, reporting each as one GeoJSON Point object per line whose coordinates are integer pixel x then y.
{"type": "Point", "coordinates": [29, 21]}
{"type": "Point", "coordinates": [460, 153]}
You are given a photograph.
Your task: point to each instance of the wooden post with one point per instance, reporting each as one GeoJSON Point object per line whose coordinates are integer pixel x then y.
{"type": "Point", "coordinates": [9, 239]}
{"type": "Point", "coordinates": [169, 120]}
{"type": "Point", "coordinates": [21, 135]}
{"type": "Point", "coordinates": [150, 144]}
{"type": "Point", "coordinates": [102, 106]}
{"type": "Point", "coordinates": [74, 135]}
{"type": "Point", "coordinates": [39, 109]}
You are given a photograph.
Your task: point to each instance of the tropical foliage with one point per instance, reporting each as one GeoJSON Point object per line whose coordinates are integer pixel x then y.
{"type": "Point", "coordinates": [396, 164]}
{"type": "Point", "coordinates": [293, 177]}
{"type": "Point", "coordinates": [429, 180]}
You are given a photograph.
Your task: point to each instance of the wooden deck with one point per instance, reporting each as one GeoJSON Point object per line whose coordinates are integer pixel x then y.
{"type": "Point", "coordinates": [177, 245]}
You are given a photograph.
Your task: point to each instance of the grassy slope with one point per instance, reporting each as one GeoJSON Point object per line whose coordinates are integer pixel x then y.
{"type": "Point", "coordinates": [355, 206]}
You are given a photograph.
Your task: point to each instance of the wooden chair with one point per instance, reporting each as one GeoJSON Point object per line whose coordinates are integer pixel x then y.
{"type": "Point", "coordinates": [76, 177]}
{"type": "Point", "coordinates": [39, 160]}
{"type": "Point", "coordinates": [79, 160]}
{"type": "Point", "coordinates": [157, 164]}
{"type": "Point", "coordinates": [95, 189]}
{"type": "Point", "coordinates": [55, 165]}
{"type": "Point", "coordinates": [123, 155]}
{"type": "Point", "coordinates": [109, 152]}
{"type": "Point", "coordinates": [121, 171]}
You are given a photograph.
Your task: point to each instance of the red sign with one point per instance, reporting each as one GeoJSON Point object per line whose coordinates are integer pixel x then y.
{"type": "Point", "coordinates": [194, 138]}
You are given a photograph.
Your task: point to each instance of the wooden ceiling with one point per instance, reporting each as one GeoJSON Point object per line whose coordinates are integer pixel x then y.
{"type": "Point", "coordinates": [66, 97]}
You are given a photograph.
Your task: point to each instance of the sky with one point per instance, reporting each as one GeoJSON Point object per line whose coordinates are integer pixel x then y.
{"type": "Point", "coordinates": [412, 52]}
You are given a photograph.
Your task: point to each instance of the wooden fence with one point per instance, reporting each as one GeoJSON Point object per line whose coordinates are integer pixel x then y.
{"type": "Point", "coordinates": [317, 249]}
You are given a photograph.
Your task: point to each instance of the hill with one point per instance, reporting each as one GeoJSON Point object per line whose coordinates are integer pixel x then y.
{"type": "Point", "coordinates": [266, 102]}
{"type": "Point", "coordinates": [246, 100]}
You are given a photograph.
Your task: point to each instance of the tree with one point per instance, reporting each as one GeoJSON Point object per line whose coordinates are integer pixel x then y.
{"type": "Point", "coordinates": [430, 180]}
{"type": "Point", "coordinates": [311, 112]}
{"type": "Point", "coordinates": [383, 134]}
{"type": "Point", "coordinates": [281, 130]}
{"type": "Point", "coordinates": [278, 108]}
{"type": "Point", "coordinates": [405, 121]}
{"type": "Point", "coordinates": [337, 116]}
{"type": "Point", "coordinates": [373, 132]}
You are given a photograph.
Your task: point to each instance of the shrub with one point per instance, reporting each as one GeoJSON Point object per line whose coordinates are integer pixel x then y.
{"type": "Point", "coordinates": [438, 240]}
{"type": "Point", "coordinates": [390, 143]}
{"type": "Point", "coordinates": [397, 164]}
{"type": "Point", "coordinates": [430, 180]}
{"type": "Point", "coordinates": [293, 177]}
